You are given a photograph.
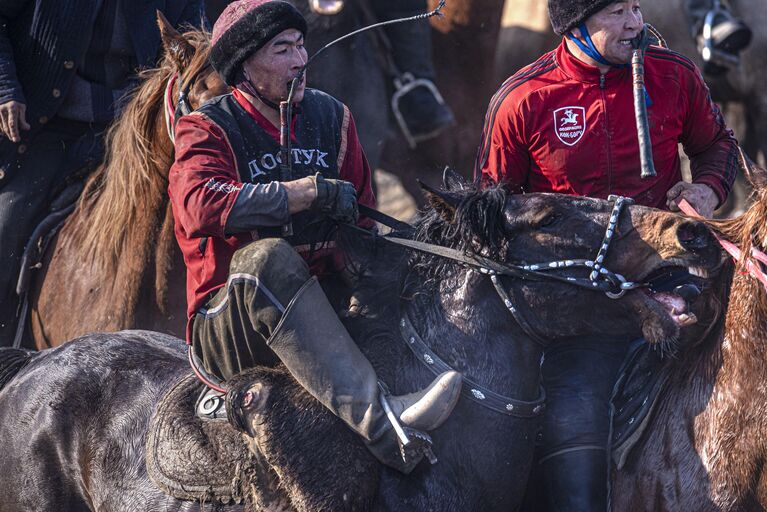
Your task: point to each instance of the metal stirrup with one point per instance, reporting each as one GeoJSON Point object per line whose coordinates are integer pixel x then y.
{"type": "Point", "coordinates": [413, 443]}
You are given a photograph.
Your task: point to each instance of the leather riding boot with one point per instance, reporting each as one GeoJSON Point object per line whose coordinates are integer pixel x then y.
{"type": "Point", "coordinates": [575, 481]}
{"type": "Point", "coordinates": [315, 347]}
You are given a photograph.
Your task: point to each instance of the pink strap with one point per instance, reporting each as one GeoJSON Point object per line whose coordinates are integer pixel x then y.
{"type": "Point", "coordinates": [731, 248]}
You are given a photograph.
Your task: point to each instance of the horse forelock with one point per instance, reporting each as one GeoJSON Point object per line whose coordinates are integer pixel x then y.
{"type": "Point", "coordinates": [476, 227]}
{"type": "Point", "coordinates": [124, 201]}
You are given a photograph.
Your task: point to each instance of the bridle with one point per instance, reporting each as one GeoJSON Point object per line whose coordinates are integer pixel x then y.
{"type": "Point", "coordinates": [182, 107]}
{"type": "Point", "coordinates": [600, 279]}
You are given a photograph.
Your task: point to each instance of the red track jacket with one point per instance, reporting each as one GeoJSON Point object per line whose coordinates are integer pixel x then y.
{"type": "Point", "coordinates": [559, 126]}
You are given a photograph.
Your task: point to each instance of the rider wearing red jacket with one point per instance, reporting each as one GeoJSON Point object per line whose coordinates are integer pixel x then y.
{"type": "Point", "coordinates": [256, 236]}
{"type": "Point", "coordinates": [560, 125]}
{"type": "Point", "coordinates": [566, 124]}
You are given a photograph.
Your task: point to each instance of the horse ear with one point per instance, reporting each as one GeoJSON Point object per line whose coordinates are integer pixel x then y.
{"type": "Point", "coordinates": [178, 49]}
{"type": "Point", "coordinates": [452, 181]}
{"type": "Point", "coordinates": [444, 203]}
{"type": "Point", "coordinates": [756, 175]}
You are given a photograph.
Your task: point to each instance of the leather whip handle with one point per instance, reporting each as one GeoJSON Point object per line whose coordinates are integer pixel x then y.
{"type": "Point", "coordinates": [640, 106]}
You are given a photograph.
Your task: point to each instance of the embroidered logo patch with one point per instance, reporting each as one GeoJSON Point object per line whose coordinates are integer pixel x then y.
{"type": "Point", "coordinates": [570, 124]}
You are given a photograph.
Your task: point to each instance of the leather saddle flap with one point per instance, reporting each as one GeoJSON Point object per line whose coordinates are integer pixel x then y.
{"type": "Point", "coordinates": [641, 380]}
{"type": "Point", "coordinates": [194, 459]}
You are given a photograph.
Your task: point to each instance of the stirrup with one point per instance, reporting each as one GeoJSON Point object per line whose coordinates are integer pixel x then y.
{"type": "Point", "coordinates": [211, 405]}
{"type": "Point", "coordinates": [413, 444]}
{"type": "Point", "coordinates": [710, 54]}
{"type": "Point", "coordinates": [326, 7]}
{"type": "Point", "coordinates": [405, 84]}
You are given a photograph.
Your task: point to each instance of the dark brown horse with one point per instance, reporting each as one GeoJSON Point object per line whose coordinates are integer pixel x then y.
{"type": "Point", "coordinates": [115, 264]}
{"type": "Point", "coordinates": [75, 417]}
{"type": "Point", "coordinates": [706, 445]}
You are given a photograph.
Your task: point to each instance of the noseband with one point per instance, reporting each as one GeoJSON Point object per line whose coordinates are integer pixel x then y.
{"type": "Point", "coordinates": [600, 278]}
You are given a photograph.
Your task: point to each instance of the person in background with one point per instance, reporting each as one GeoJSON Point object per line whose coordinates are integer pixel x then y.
{"type": "Point", "coordinates": [566, 124]}
{"type": "Point", "coordinates": [64, 66]}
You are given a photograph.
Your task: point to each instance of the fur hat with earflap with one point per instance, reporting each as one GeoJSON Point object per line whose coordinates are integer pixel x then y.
{"type": "Point", "coordinates": [244, 27]}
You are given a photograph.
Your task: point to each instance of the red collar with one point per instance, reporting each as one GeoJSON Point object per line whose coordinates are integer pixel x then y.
{"type": "Point", "coordinates": [261, 120]}
{"type": "Point", "coordinates": [582, 72]}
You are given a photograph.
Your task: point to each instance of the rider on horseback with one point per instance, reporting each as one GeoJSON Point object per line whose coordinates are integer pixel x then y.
{"type": "Point", "coordinates": [253, 237]}
{"type": "Point", "coordinates": [587, 145]}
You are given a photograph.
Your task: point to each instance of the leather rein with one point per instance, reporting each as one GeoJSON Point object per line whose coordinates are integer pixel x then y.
{"type": "Point", "coordinates": [600, 279]}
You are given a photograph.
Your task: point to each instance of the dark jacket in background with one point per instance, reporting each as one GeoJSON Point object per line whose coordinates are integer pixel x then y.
{"type": "Point", "coordinates": [42, 40]}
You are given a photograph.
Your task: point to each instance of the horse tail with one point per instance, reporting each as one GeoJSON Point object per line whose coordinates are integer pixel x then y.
{"type": "Point", "coordinates": [11, 361]}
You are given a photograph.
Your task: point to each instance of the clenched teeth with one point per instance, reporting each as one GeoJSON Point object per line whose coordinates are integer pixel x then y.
{"type": "Point", "coordinates": [698, 272]}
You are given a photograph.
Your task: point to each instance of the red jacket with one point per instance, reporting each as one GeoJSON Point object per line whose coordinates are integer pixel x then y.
{"type": "Point", "coordinates": [203, 156]}
{"type": "Point", "coordinates": [559, 126]}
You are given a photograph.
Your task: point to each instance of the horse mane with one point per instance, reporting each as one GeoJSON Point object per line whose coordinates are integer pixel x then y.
{"type": "Point", "coordinates": [386, 271]}
{"type": "Point", "coordinates": [125, 199]}
{"type": "Point", "coordinates": [474, 224]}
{"type": "Point", "coordinates": [748, 231]}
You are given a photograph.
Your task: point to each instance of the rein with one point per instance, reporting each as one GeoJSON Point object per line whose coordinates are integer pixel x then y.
{"type": "Point", "coordinates": [751, 266]}
{"type": "Point", "coordinates": [600, 279]}
{"type": "Point", "coordinates": [169, 109]}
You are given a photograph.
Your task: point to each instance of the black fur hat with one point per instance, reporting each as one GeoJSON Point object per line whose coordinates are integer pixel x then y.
{"type": "Point", "coordinates": [244, 27]}
{"type": "Point", "coordinates": [568, 14]}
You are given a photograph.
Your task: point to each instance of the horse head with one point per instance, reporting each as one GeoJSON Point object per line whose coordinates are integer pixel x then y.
{"type": "Point", "coordinates": [193, 81]}
{"type": "Point", "coordinates": [669, 258]}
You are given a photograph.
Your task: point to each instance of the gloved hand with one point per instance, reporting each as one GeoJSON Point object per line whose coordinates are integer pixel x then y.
{"type": "Point", "coordinates": [335, 198]}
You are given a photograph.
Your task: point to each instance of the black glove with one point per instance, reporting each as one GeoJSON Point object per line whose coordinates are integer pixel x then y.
{"type": "Point", "coordinates": [336, 198]}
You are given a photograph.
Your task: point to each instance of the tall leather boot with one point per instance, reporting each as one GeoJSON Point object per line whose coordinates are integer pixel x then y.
{"type": "Point", "coordinates": [315, 347]}
{"type": "Point", "coordinates": [575, 481]}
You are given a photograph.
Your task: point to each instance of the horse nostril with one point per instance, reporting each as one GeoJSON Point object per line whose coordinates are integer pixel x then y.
{"type": "Point", "coordinates": [693, 236]}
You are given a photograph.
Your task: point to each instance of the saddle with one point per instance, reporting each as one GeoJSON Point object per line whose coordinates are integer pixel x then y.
{"type": "Point", "coordinates": [194, 459]}
{"type": "Point", "coordinates": [641, 379]}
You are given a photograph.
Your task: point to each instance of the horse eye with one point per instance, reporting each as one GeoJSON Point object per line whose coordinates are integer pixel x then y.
{"type": "Point", "coordinates": [549, 220]}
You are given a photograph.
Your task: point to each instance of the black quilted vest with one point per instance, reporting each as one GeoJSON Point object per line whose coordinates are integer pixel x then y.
{"type": "Point", "coordinates": [319, 123]}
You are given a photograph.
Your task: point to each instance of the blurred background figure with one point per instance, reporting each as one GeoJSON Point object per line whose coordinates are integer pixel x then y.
{"type": "Point", "coordinates": [405, 49]}
{"type": "Point", "coordinates": [419, 108]}
{"type": "Point", "coordinates": [64, 68]}
{"type": "Point", "coordinates": [728, 35]}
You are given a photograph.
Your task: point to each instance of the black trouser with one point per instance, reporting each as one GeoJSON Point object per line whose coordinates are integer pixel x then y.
{"type": "Point", "coordinates": [411, 42]}
{"type": "Point", "coordinates": [231, 332]}
{"type": "Point", "coordinates": [41, 169]}
{"type": "Point", "coordinates": [578, 377]}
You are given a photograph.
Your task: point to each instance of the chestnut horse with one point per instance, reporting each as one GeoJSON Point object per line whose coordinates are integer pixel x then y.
{"type": "Point", "coordinates": [114, 263]}
{"type": "Point", "coordinates": [706, 443]}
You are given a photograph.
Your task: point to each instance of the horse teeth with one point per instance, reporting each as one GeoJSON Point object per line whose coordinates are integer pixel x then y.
{"type": "Point", "coordinates": [698, 272]}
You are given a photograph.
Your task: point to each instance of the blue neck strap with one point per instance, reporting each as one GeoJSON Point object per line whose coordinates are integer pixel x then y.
{"type": "Point", "coordinates": [589, 48]}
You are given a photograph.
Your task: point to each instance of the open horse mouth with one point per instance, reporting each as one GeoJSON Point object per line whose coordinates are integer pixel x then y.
{"type": "Point", "coordinates": [673, 288]}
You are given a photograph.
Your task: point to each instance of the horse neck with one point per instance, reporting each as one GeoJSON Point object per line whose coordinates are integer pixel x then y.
{"type": "Point", "coordinates": [466, 323]}
{"type": "Point", "coordinates": [726, 367]}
